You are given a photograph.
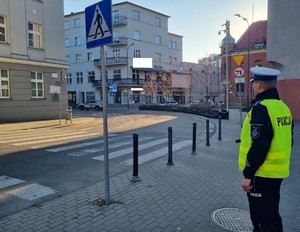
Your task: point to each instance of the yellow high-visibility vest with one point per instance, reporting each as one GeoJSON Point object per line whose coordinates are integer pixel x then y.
{"type": "Point", "coordinates": [277, 163]}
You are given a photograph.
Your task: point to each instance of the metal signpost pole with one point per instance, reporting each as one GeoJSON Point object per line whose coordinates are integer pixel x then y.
{"type": "Point", "coordinates": [98, 18]}
{"type": "Point", "coordinates": [105, 127]}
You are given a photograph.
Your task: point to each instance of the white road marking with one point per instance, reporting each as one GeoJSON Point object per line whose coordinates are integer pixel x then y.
{"type": "Point", "coordinates": [158, 153]}
{"type": "Point", "coordinates": [125, 151]}
{"type": "Point", "coordinates": [6, 181]}
{"type": "Point", "coordinates": [31, 192]}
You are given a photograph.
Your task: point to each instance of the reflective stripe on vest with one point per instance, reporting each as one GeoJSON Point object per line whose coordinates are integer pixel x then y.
{"type": "Point", "coordinates": [277, 163]}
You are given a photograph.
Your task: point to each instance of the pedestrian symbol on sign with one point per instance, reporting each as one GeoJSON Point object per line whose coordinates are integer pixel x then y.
{"type": "Point", "coordinates": [99, 28]}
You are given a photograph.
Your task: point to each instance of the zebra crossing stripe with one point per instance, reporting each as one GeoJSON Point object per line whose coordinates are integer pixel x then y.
{"type": "Point", "coordinates": [158, 153]}
{"type": "Point", "coordinates": [70, 147]}
{"type": "Point", "coordinates": [95, 150]}
{"type": "Point", "coordinates": [28, 192]}
{"type": "Point", "coordinates": [6, 181]}
{"type": "Point", "coordinates": [125, 151]}
{"type": "Point", "coordinates": [54, 140]}
{"type": "Point", "coordinates": [31, 192]}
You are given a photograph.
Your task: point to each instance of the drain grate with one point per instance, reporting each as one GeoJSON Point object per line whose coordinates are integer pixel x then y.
{"type": "Point", "coordinates": [233, 219]}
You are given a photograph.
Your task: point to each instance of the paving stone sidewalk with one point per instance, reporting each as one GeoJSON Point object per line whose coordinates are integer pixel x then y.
{"type": "Point", "coordinates": [181, 197]}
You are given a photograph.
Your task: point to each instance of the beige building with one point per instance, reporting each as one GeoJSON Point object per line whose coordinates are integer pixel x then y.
{"type": "Point", "coordinates": [32, 53]}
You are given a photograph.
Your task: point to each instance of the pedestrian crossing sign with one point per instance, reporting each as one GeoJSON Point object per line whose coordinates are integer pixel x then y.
{"type": "Point", "coordinates": [98, 24]}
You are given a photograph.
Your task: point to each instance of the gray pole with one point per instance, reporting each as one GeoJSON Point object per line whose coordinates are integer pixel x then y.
{"type": "Point", "coordinates": [105, 128]}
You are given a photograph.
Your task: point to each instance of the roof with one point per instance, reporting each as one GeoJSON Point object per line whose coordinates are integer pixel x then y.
{"type": "Point", "coordinates": [258, 34]}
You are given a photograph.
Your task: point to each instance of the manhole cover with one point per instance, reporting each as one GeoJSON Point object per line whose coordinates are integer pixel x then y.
{"type": "Point", "coordinates": [233, 219]}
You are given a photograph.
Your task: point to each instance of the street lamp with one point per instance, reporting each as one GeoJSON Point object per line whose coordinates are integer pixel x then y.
{"type": "Point", "coordinates": [248, 59]}
{"type": "Point", "coordinates": [128, 75]}
{"type": "Point", "coordinates": [226, 31]}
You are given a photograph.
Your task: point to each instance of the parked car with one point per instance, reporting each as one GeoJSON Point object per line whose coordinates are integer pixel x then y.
{"type": "Point", "coordinates": [91, 105]}
{"type": "Point", "coordinates": [169, 103]}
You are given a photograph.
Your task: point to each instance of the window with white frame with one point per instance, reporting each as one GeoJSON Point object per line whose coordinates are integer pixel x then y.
{"type": "Point", "coordinates": [4, 83]}
{"type": "Point", "coordinates": [91, 76]}
{"type": "Point", "coordinates": [157, 22]}
{"type": "Point", "coordinates": [174, 45]}
{"type": "Point", "coordinates": [116, 16]}
{"type": "Point", "coordinates": [158, 39]}
{"type": "Point", "coordinates": [90, 56]}
{"type": "Point", "coordinates": [69, 78]}
{"type": "Point", "coordinates": [136, 15]}
{"type": "Point", "coordinates": [79, 77]}
{"type": "Point", "coordinates": [137, 35]}
{"type": "Point", "coordinates": [116, 53]}
{"type": "Point", "coordinates": [37, 85]}
{"type": "Point", "coordinates": [137, 53]}
{"type": "Point", "coordinates": [158, 57]}
{"type": "Point", "coordinates": [2, 29]}
{"type": "Point", "coordinates": [77, 40]}
{"type": "Point", "coordinates": [78, 58]}
{"type": "Point", "coordinates": [66, 23]}
{"type": "Point", "coordinates": [77, 22]}
{"type": "Point", "coordinates": [34, 35]}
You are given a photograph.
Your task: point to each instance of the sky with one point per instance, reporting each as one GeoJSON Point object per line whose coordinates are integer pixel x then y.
{"type": "Point", "coordinates": [198, 21]}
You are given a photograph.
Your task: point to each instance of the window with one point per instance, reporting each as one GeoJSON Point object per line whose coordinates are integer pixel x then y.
{"type": "Point", "coordinates": [90, 56]}
{"type": "Point", "coordinates": [79, 77]}
{"type": "Point", "coordinates": [67, 42]}
{"type": "Point", "coordinates": [77, 22]}
{"type": "Point", "coordinates": [66, 24]}
{"type": "Point", "coordinates": [172, 44]}
{"type": "Point", "coordinates": [116, 16]}
{"type": "Point", "coordinates": [91, 76]}
{"type": "Point", "coordinates": [157, 22]}
{"type": "Point", "coordinates": [116, 53]}
{"type": "Point", "coordinates": [37, 85]}
{"type": "Point", "coordinates": [116, 36]}
{"type": "Point", "coordinates": [117, 75]}
{"type": "Point", "coordinates": [240, 89]}
{"type": "Point", "coordinates": [137, 53]}
{"type": "Point", "coordinates": [68, 58]}
{"type": "Point", "coordinates": [137, 35]}
{"type": "Point", "coordinates": [90, 96]}
{"type": "Point", "coordinates": [158, 39]}
{"type": "Point", "coordinates": [78, 58]}
{"type": "Point", "coordinates": [77, 40]}
{"type": "Point", "coordinates": [69, 78]}
{"type": "Point", "coordinates": [34, 35]}
{"type": "Point", "coordinates": [136, 15]}
{"type": "Point", "coordinates": [2, 29]}
{"type": "Point", "coordinates": [158, 57]}
{"type": "Point", "coordinates": [4, 84]}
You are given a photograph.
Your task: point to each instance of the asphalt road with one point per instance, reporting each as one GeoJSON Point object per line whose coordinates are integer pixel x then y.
{"type": "Point", "coordinates": [47, 162]}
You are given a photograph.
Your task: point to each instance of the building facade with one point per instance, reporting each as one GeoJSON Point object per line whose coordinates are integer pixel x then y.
{"type": "Point", "coordinates": [138, 32]}
{"type": "Point", "coordinates": [283, 49]}
{"type": "Point", "coordinates": [32, 54]}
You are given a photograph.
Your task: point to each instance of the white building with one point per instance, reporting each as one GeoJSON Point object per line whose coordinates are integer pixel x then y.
{"type": "Point", "coordinates": [32, 53]}
{"type": "Point", "coordinates": [138, 32]}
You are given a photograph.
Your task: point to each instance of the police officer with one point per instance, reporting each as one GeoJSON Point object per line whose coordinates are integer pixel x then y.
{"type": "Point", "coordinates": [265, 150]}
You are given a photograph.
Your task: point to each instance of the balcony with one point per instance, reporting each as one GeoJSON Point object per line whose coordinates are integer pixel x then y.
{"type": "Point", "coordinates": [119, 21]}
{"type": "Point", "coordinates": [119, 41]}
{"type": "Point", "coordinates": [112, 61]}
{"type": "Point", "coordinates": [126, 82]}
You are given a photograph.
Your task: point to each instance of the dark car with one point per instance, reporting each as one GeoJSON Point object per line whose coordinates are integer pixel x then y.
{"type": "Point", "coordinates": [91, 105]}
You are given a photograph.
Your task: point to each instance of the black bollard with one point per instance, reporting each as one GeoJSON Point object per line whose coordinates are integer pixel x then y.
{"type": "Point", "coordinates": [207, 133]}
{"type": "Point", "coordinates": [170, 153]}
{"type": "Point", "coordinates": [194, 138]}
{"type": "Point", "coordinates": [220, 134]}
{"type": "Point", "coordinates": [135, 158]}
